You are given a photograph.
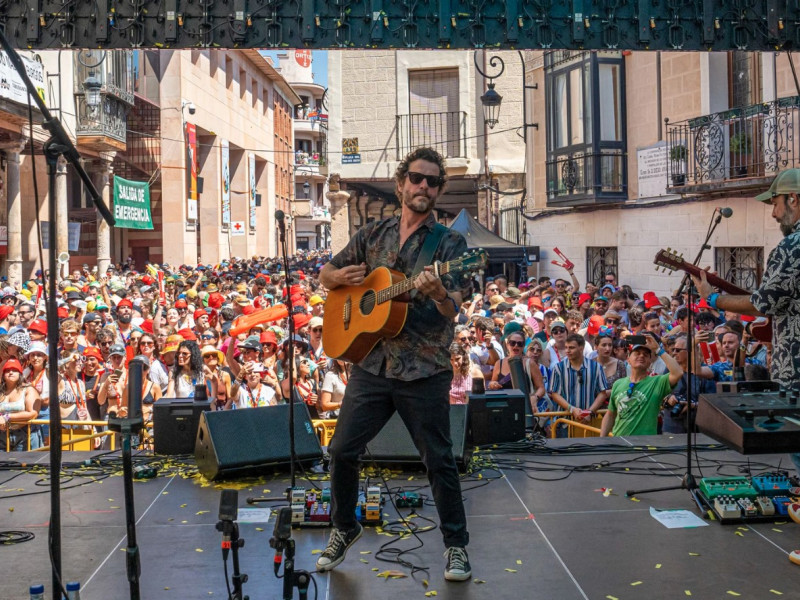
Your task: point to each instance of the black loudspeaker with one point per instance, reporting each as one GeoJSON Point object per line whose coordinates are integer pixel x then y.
{"type": "Point", "coordinates": [393, 446]}
{"type": "Point", "coordinates": [497, 417]}
{"type": "Point", "coordinates": [232, 443]}
{"type": "Point", "coordinates": [175, 423]}
{"type": "Point", "coordinates": [258, 200]}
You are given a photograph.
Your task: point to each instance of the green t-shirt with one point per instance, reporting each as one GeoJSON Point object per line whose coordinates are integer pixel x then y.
{"type": "Point", "coordinates": [638, 415]}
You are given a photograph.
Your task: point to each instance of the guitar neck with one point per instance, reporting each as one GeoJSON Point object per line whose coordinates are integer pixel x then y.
{"type": "Point", "coordinates": [718, 282]}
{"type": "Point", "coordinates": [406, 285]}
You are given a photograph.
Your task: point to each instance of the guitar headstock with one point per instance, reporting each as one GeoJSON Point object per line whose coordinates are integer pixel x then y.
{"type": "Point", "coordinates": [669, 260]}
{"type": "Point", "coordinates": [474, 261]}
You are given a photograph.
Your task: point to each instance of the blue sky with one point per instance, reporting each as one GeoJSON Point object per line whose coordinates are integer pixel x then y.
{"type": "Point", "coordinates": [319, 64]}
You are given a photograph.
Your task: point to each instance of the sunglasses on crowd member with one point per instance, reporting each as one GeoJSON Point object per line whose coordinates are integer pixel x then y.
{"type": "Point", "coordinates": [433, 181]}
{"type": "Point", "coordinates": [561, 285]}
{"type": "Point", "coordinates": [515, 343]}
{"type": "Point", "coordinates": [558, 330]}
{"type": "Point", "coordinates": [613, 321]}
{"type": "Point", "coordinates": [317, 330]}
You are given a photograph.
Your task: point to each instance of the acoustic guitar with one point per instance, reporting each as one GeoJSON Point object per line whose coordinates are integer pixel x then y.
{"type": "Point", "coordinates": [357, 317]}
{"type": "Point", "coordinates": [670, 260]}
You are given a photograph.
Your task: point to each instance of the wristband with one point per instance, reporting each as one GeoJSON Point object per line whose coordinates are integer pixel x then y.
{"type": "Point", "coordinates": [660, 352]}
{"type": "Point", "coordinates": [712, 300]}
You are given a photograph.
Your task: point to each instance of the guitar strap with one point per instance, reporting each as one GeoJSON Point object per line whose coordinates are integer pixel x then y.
{"type": "Point", "coordinates": [429, 247]}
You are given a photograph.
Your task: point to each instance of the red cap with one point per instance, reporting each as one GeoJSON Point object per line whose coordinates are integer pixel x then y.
{"type": "Point", "coordinates": [301, 320]}
{"type": "Point", "coordinates": [39, 326]}
{"type": "Point", "coordinates": [651, 300]}
{"type": "Point", "coordinates": [147, 326]}
{"type": "Point", "coordinates": [125, 302]}
{"type": "Point", "coordinates": [180, 303]}
{"type": "Point", "coordinates": [199, 313]}
{"type": "Point", "coordinates": [92, 351]}
{"type": "Point", "coordinates": [12, 364]}
{"type": "Point", "coordinates": [187, 334]}
{"type": "Point", "coordinates": [268, 337]}
{"type": "Point", "coordinates": [595, 322]}
{"type": "Point", "coordinates": [216, 300]}
{"type": "Point", "coordinates": [298, 299]}
{"type": "Point", "coordinates": [584, 298]}
{"type": "Point", "coordinates": [703, 304]}
{"type": "Point", "coordinates": [248, 310]}
{"type": "Point", "coordinates": [147, 280]}
{"type": "Point", "coordinates": [62, 312]}
{"type": "Point", "coordinates": [5, 310]}
{"type": "Point", "coordinates": [535, 302]}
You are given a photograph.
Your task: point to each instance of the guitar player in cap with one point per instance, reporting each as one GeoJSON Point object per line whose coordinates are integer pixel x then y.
{"type": "Point", "coordinates": [778, 296]}
{"type": "Point", "coordinates": [409, 373]}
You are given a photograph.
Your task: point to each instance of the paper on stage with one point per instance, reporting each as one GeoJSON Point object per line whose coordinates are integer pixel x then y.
{"type": "Point", "coordinates": [676, 519]}
{"type": "Point", "coordinates": [254, 515]}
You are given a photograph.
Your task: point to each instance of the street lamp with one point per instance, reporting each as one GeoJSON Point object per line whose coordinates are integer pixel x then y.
{"type": "Point", "coordinates": [491, 100]}
{"type": "Point", "coordinates": [92, 86]}
{"type": "Point", "coordinates": [306, 187]}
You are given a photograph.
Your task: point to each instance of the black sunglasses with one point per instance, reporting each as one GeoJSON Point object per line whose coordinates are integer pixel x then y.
{"type": "Point", "coordinates": [433, 181]}
{"type": "Point", "coordinates": [515, 343]}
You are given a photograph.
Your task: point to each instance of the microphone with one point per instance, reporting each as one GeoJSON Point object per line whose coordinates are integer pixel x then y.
{"type": "Point", "coordinates": [725, 212]}
{"type": "Point", "coordinates": [280, 216]}
{"type": "Point", "coordinates": [228, 511]}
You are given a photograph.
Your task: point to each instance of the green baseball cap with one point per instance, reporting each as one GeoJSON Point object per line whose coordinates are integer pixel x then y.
{"type": "Point", "coordinates": [785, 182]}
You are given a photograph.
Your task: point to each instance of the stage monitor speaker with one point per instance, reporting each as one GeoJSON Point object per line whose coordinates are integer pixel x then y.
{"type": "Point", "coordinates": [175, 423]}
{"type": "Point", "coordinates": [232, 443]}
{"type": "Point", "coordinates": [497, 417]}
{"type": "Point", "coordinates": [393, 446]}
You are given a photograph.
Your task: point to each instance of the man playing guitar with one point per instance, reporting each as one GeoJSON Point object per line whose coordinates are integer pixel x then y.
{"type": "Point", "coordinates": [410, 372]}
{"type": "Point", "coordinates": [779, 294]}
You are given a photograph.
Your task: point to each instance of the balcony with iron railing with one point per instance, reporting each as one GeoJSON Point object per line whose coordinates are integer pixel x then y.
{"type": "Point", "coordinates": [586, 178]}
{"type": "Point", "coordinates": [733, 150]}
{"type": "Point", "coordinates": [445, 132]}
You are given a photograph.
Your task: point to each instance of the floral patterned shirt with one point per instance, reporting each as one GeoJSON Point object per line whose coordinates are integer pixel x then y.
{"type": "Point", "coordinates": [779, 298]}
{"type": "Point", "coordinates": [421, 349]}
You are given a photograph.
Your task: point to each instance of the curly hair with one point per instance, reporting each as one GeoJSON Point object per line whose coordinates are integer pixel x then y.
{"type": "Point", "coordinates": [457, 349]}
{"type": "Point", "coordinates": [195, 361]}
{"type": "Point", "coordinates": [427, 154]}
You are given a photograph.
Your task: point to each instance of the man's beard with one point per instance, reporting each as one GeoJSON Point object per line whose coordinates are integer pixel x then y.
{"type": "Point", "coordinates": [787, 223]}
{"type": "Point", "coordinates": [420, 203]}
{"type": "Point", "coordinates": [124, 319]}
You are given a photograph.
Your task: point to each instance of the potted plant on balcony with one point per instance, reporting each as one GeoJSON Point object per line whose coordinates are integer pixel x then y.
{"type": "Point", "coordinates": [740, 147]}
{"type": "Point", "coordinates": [677, 156]}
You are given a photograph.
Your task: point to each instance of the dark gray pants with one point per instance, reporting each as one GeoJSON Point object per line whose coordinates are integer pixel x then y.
{"type": "Point", "coordinates": [424, 406]}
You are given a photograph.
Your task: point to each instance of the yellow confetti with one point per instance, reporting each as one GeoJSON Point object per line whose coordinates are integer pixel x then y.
{"type": "Point", "coordinates": [519, 562]}
{"type": "Point", "coordinates": [183, 506]}
{"type": "Point", "coordinates": [778, 530]}
{"type": "Point", "coordinates": [658, 565]}
{"type": "Point", "coordinates": [10, 509]}
{"type": "Point", "coordinates": [164, 494]}
{"type": "Point", "coordinates": [687, 592]}
{"type": "Point", "coordinates": [780, 522]}
{"type": "Point", "coordinates": [425, 583]}
{"type": "Point", "coordinates": [431, 593]}
{"type": "Point", "coordinates": [265, 492]}
{"type": "Point", "coordinates": [259, 529]}
{"type": "Point", "coordinates": [316, 552]}
{"type": "Point", "coordinates": [694, 554]}
{"type": "Point", "coordinates": [111, 500]}
{"type": "Point", "coordinates": [743, 529]}
{"type": "Point", "coordinates": [607, 492]}
{"type": "Point", "coordinates": [479, 581]}
{"type": "Point", "coordinates": [198, 549]}
{"type": "Point", "coordinates": [411, 478]}
{"type": "Point", "coordinates": [392, 574]}
{"type": "Point", "coordinates": [166, 588]}
{"type": "Point", "coordinates": [366, 552]}
{"type": "Point", "coordinates": [732, 593]}
{"type": "Point", "coordinates": [511, 570]}
{"type": "Point", "coordinates": [202, 512]}
{"type": "Point", "coordinates": [366, 562]}
{"type": "Point", "coordinates": [184, 521]}
{"type": "Point", "coordinates": [612, 598]}
{"type": "Point", "coordinates": [776, 592]}
{"type": "Point", "coordinates": [375, 568]}
{"type": "Point", "coordinates": [636, 583]}
{"type": "Point", "coordinates": [739, 533]}
{"type": "Point", "coordinates": [635, 499]}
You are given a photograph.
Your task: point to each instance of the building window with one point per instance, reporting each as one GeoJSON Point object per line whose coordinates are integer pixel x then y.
{"type": "Point", "coordinates": [586, 141]}
{"type": "Point", "coordinates": [743, 267]}
{"type": "Point", "coordinates": [433, 116]}
{"type": "Point", "coordinates": [599, 261]}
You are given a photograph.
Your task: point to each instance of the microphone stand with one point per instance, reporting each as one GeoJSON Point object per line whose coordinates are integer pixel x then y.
{"type": "Point", "coordinates": [231, 542]}
{"type": "Point", "coordinates": [58, 144]}
{"type": "Point", "coordinates": [711, 228]}
{"type": "Point", "coordinates": [289, 350]}
{"type": "Point", "coordinates": [284, 547]}
{"type": "Point", "coordinates": [128, 426]}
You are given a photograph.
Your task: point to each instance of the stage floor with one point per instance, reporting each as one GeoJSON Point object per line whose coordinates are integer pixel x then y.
{"type": "Point", "coordinates": [558, 539]}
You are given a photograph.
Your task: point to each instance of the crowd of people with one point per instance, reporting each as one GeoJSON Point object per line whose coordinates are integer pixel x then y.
{"type": "Point", "coordinates": [574, 344]}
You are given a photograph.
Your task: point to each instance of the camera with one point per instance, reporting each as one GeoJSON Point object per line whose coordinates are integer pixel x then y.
{"type": "Point", "coordinates": [675, 412]}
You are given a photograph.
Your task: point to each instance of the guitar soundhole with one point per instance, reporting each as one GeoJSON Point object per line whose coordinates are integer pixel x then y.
{"type": "Point", "coordinates": [367, 303]}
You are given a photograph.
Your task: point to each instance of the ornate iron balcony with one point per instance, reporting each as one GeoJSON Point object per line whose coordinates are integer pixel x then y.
{"type": "Point", "coordinates": [109, 119]}
{"type": "Point", "coordinates": [445, 132]}
{"type": "Point", "coordinates": [736, 148]}
{"type": "Point", "coordinates": [586, 178]}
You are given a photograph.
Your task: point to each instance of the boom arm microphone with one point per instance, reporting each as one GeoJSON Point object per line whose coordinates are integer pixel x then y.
{"type": "Point", "coordinates": [725, 212]}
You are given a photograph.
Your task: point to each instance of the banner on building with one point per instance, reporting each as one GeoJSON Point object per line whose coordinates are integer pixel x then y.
{"type": "Point", "coordinates": [251, 162]}
{"type": "Point", "coordinates": [11, 85]}
{"type": "Point", "coordinates": [225, 162]}
{"type": "Point", "coordinates": [191, 170]}
{"type": "Point", "coordinates": [132, 204]}
{"type": "Point", "coordinates": [237, 228]}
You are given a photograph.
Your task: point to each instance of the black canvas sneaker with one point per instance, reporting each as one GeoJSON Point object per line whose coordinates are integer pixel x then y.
{"type": "Point", "coordinates": [457, 568]}
{"type": "Point", "coordinates": [338, 544]}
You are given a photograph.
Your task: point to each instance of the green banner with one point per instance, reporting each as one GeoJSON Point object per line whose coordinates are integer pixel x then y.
{"type": "Point", "coordinates": [132, 204]}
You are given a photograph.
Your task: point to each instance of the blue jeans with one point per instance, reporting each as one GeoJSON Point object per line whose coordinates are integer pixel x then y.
{"type": "Point", "coordinates": [423, 404]}
{"type": "Point", "coordinates": [18, 439]}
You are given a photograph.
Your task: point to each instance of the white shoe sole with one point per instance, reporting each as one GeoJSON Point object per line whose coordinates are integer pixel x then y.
{"type": "Point", "coordinates": [333, 564]}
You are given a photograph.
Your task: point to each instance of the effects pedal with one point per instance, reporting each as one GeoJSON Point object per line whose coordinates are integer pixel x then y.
{"type": "Point", "coordinates": [726, 507]}
{"type": "Point", "coordinates": [772, 485]}
{"type": "Point", "coordinates": [408, 500]}
{"type": "Point", "coordinates": [298, 505]}
{"type": "Point", "coordinates": [748, 508]}
{"type": "Point", "coordinates": [765, 506]}
{"type": "Point", "coordinates": [782, 505]}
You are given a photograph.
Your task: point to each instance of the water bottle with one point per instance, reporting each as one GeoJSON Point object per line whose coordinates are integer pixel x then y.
{"type": "Point", "coordinates": [73, 590]}
{"type": "Point", "coordinates": [37, 592]}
